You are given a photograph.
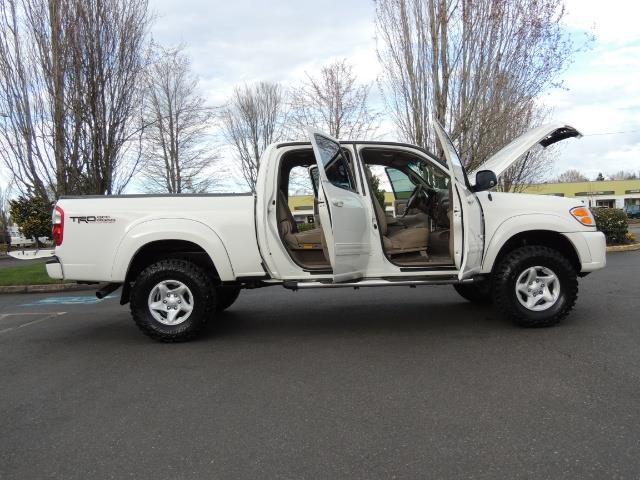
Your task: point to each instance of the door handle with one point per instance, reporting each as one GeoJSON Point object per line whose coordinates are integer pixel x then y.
{"type": "Point", "coordinates": [338, 203]}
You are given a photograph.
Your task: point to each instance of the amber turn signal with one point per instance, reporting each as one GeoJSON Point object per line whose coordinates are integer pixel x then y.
{"type": "Point", "coordinates": [583, 215]}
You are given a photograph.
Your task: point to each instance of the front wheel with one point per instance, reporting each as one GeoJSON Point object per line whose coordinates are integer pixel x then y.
{"type": "Point", "coordinates": [535, 286]}
{"type": "Point", "coordinates": [171, 300]}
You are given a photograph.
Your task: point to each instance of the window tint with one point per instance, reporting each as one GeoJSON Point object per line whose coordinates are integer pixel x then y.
{"type": "Point", "coordinates": [335, 164]}
{"type": "Point", "coordinates": [402, 185]}
{"type": "Point", "coordinates": [451, 154]}
{"type": "Point", "coordinates": [434, 177]}
{"type": "Point", "coordinates": [315, 177]}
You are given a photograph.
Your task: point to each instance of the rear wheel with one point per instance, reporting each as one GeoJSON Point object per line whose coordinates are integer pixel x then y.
{"type": "Point", "coordinates": [535, 286]}
{"type": "Point", "coordinates": [226, 296]}
{"type": "Point", "coordinates": [172, 300]}
{"type": "Point", "coordinates": [477, 292]}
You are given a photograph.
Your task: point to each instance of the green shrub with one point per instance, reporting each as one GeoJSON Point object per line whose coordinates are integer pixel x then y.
{"type": "Point", "coordinates": [303, 227]}
{"type": "Point", "coordinates": [613, 223]}
{"type": "Point", "coordinates": [32, 215]}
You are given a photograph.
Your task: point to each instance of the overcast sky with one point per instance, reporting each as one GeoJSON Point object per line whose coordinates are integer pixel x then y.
{"type": "Point", "coordinates": [231, 42]}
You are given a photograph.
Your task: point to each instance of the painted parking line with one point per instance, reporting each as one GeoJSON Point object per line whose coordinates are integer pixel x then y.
{"type": "Point", "coordinates": [32, 322]}
{"type": "Point", "coordinates": [61, 300]}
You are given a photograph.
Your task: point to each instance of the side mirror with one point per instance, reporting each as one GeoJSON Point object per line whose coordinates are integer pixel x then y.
{"type": "Point", "coordinates": [485, 180]}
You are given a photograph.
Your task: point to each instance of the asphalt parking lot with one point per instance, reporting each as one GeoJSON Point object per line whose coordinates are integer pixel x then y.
{"type": "Point", "coordinates": [374, 383]}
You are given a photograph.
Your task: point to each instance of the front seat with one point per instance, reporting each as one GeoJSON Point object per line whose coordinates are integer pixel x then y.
{"type": "Point", "coordinates": [288, 228]}
{"type": "Point", "coordinates": [399, 237]}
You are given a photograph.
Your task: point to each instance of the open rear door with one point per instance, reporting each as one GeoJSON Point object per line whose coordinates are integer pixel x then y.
{"type": "Point", "coordinates": [467, 224]}
{"type": "Point", "coordinates": [341, 209]}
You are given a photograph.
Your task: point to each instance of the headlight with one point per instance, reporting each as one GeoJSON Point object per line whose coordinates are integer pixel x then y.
{"type": "Point", "coordinates": [583, 215]}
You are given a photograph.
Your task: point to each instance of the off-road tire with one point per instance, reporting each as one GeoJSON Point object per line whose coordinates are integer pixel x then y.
{"type": "Point", "coordinates": [194, 277]}
{"type": "Point", "coordinates": [513, 264]}
{"type": "Point", "coordinates": [478, 292]}
{"type": "Point", "coordinates": [225, 297]}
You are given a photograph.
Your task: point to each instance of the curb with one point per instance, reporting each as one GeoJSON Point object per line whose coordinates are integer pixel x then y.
{"type": "Point", "coordinates": [60, 287]}
{"type": "Point", "coordinates": [624, 248]}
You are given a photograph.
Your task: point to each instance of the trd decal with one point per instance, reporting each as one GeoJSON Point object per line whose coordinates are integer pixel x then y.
{"type": "Point", "coordinates": [93, 219]}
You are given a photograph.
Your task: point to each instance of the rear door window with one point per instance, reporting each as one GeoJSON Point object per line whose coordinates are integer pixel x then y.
{"type": "Point", "coordinates": [336, 165]}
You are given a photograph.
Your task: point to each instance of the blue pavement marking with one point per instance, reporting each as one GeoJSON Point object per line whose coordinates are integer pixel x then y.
{"type": "Point", "coordinates": [80, 300]}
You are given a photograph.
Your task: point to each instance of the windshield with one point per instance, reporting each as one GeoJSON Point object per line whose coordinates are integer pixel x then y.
{"type": "Point", "coordinates": [433, 176]}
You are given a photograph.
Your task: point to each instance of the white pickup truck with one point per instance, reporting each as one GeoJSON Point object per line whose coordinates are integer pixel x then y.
{"type": "Point", "coordinates": [181, 259]}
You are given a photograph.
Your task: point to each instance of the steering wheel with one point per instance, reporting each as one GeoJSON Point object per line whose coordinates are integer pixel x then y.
{"type": "Point", "coordinates": [415, 195]}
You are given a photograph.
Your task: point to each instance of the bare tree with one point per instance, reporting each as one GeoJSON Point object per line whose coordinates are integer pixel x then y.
{"type": "Point", "coordinates": [571, 175]}
{"type": "Point", "coordinates": [69, 74]}
{"type": "Point", "coordinates": [252, 119]}
{"type": "Point", "coordinates": [4, 210]}
{"type": "Point", "coordinates": [176, 119]}
{"type": "Point", "coordinates": [477, 66]}
{"type": "Point", "coordinates": [110, 56]}
{"type": "Point", "coordinates": [333, 102]}
{"type": "Point", "coordinates": [623, 175]}
{"type": "Point", "coordinates": [24, 135]}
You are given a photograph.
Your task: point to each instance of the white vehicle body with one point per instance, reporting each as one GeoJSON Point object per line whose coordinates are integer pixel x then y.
{"type": "Point", "coordinates": [233, 229]}
{"type": "Point", "coordinates": [111, 239]}
{"type": "Point", "coordinates": [16, 239]}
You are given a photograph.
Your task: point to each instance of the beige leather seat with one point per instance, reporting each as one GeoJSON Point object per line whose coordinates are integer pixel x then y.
{"type": "Point", "coordinates": [403, 235]}
{"type": "Point", "coordinates": [288, 228]}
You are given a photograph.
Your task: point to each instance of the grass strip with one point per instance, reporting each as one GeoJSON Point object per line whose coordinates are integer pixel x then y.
{"type": "Point", "coordinates": [29, 274]}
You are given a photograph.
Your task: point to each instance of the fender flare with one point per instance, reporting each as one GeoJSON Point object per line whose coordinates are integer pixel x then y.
{"type": "Point", "coordinates": [152, 230]}
{"type": "Point", "coordinates": [524, 223]}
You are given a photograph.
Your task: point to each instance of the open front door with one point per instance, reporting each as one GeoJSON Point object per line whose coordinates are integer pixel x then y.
{"type": "Point", "coordinates": [341, 209]}
{"type": "Point", "coordinates": [467, 224]}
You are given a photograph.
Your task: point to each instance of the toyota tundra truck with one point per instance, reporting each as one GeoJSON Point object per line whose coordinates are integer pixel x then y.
{"type": "Point", "coordinates": [182, 259]}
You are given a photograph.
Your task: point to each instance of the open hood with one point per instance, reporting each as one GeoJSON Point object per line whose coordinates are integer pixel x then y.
{"type": "Point", "coordinates": [544, 135]}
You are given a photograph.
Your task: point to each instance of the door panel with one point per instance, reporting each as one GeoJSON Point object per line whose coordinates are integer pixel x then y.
{"type": "Point", "coordinates": [342, 210]}
{"type": "Point", "coordinates": [467, 222]}
{"type": "Point", "coordinates": [399, 207]}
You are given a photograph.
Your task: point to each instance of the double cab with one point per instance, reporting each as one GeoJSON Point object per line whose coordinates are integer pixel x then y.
{"type": "Point", "coordinates": [181, 259]}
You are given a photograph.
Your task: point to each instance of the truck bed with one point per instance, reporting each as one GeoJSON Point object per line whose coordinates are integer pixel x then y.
{"type": "Point", "coordinates": [102, 233]}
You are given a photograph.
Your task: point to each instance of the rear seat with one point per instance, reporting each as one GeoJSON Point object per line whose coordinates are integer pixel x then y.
{"type": "Point", "coordinates": [288, 228]}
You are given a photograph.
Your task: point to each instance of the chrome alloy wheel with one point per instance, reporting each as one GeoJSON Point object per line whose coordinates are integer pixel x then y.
{"type": "Point", "coordinates": [537, 288]}
{"type": "Point", "coordinates": [170, 302]}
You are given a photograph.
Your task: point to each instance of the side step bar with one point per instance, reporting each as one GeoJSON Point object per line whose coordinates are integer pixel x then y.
{"type": "Point", "coordinates": [295, 285]}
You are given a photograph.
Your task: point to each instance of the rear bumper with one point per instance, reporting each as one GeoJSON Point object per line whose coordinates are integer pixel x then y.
{"type": "Point", "coordinates": [591, 248]}
{"type": "Point", "coordinates": [54, 268]}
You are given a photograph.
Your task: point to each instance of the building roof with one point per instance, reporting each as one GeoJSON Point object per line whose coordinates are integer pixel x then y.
{"type": "Point", "coordinates": [583, 189]}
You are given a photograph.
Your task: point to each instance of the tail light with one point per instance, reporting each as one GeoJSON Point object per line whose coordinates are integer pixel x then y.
{"type": "Point", "coordinates": [57, 232]}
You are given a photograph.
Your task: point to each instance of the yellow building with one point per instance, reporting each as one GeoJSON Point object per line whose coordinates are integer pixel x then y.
{"type": "Point", "coordinates": [301, 206]}
{"type": "Point", "coordinates": [608, 193]}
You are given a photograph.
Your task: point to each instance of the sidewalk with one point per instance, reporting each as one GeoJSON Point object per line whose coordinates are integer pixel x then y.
{"type": "Point", "coordinates": [55, 287]}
